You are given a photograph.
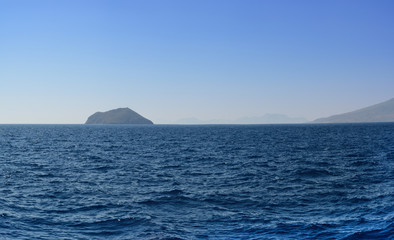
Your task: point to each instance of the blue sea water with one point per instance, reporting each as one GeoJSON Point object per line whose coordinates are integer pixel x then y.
{"type": "Point", "coordinates": [197, 182]}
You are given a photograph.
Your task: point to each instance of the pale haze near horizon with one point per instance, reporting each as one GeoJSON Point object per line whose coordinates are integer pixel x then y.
{"type": "Point", "coordinates": [61, 61]}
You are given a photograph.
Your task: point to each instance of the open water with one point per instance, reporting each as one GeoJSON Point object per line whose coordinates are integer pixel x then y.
{"type": "Point", "coordinates": [197, 182]}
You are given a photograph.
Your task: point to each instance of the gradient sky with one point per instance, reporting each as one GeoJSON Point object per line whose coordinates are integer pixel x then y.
{"type": "Point", "coordinates": [63, 60]}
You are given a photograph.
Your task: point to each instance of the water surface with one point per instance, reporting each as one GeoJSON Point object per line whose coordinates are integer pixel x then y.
{"type": "Point", "coordinates": [197, 182]}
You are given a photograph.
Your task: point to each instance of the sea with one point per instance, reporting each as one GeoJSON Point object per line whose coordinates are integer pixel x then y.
{"type": "Point", "coordinates": [311, 181]}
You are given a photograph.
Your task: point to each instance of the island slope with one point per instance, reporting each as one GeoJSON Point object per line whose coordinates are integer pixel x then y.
{"type": "Point", "coordinates": [381, 112]}
{"type": "Point", "coordinates": [118, 116]}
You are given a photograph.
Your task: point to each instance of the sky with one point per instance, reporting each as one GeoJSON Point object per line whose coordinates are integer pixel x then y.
{"type": "Point", "coordinates": [63, 60]}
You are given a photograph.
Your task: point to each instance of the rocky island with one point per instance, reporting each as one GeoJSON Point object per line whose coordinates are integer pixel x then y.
{"type": "Point", "coordinates": [118, 116]}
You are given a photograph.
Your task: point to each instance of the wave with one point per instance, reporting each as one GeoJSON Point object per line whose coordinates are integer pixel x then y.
{"type": "Point", "coordinates": [386, 233]}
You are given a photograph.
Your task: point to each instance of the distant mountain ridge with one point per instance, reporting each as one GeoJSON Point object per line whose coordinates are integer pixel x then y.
{"type": "Point", "coordinates": [381, 112]}
{"type": "Point", "coordinates": [271, 118]}
{"type": "Point", "coordinates": [118, 116]}
{"type": "Point", "coordinates": [268, 118]}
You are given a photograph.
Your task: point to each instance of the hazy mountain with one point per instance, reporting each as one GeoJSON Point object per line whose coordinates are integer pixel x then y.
{"type": "Point", "coordinates": [382, 112]}
{"type": "Point", "coordinates": [118, 116]}
{"type": "Point", "coordinates": [270, 119]}
{"type": "Point", "coordinates": [266, 119]}
{"type": "Point", "coordinates": [197, 121]}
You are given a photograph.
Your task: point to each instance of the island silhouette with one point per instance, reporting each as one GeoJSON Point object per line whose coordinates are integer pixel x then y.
{"type": "Point", "coordinates": [118, 116]}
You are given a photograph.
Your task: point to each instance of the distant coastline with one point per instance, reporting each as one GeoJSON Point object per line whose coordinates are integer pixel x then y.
{"type": "Point", "coordinates": [381, 112]}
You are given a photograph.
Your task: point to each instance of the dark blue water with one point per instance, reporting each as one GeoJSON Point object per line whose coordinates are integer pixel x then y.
{"type": "Point", "coordinates": [197, 182]}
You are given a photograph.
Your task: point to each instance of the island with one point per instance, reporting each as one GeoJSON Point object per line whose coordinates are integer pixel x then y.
{"type": "Point", "coordinates": [118, 116]}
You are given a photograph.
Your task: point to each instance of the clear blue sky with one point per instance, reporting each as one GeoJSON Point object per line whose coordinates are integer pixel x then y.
{"type": "Point", "coordinates": [62, 60]}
